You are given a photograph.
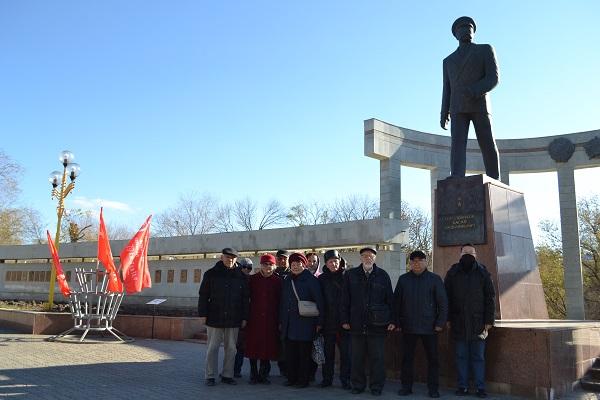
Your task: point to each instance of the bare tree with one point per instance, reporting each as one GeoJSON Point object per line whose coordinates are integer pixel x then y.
{"type": "Point", "coordinates": [223, 219]}
{"type": "Point", "coordinates": [419, 229]}
{"type": "Point", "coordinates": [10, 172]}
{"type": "Point", "coordinates": [76, 226]}
{"type": "Point", "coordinates": [33, 230]}
{"type": "Point", "coordinates": [312, 213]}
{"type": "Point", "coordinates": [11, 226]}
{"type": "Point", "coordinates": [247, 215]}
{"type": "Point", "coordinates": [355, 207]}
{"type": "Point", "coordinates": [244, 212]}
{"type": "Point", "coordinates": [193, 215]}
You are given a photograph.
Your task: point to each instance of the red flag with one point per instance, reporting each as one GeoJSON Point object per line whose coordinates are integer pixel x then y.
{"type": "Point", "coordinates": [134, 260]}
{"type": "Point", "coordinates": [60, 275]}
{"type": "Point", "coordinates": [106, 258]}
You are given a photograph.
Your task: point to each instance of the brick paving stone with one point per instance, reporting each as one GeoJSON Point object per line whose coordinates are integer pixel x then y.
{"type": "Point", "coordinates": [32, 368]}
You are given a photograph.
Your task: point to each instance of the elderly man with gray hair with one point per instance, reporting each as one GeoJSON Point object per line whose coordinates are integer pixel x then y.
{"type": "Point", "coordinates": [223, 305]}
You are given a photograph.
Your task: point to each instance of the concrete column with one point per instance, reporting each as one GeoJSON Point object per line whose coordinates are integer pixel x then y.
{"type": "Point", "coordinates": [390, 197]}
{"type": "Point", "coordinates": [570, 241]}
{"type": "Point", "coordinates": [504, 175]}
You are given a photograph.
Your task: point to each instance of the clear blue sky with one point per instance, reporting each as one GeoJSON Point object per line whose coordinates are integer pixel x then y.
{"type": "Point", "coordinates": [268, 98]}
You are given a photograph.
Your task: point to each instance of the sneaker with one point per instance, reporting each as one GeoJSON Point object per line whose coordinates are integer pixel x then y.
{"type": "Point", "coordinates": [404, 392]}
{"type": "Point", "coordinates": [434, 394]}
{"type": "Point", "coordinates": [210, 382]}
{"type": "Point", "coordinates": [461, 392]}
{"type": "Point", "coordinates": [228, 381]}
{"type": "Point", "coordinates": [376, 392]}
{"type": "Point", "coordinates": [481, 393]}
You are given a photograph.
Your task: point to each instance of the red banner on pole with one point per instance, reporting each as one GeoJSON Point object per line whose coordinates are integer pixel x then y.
{"type": "Point", "coordinates": [106, 258]}
{"type": "Point", "coordinates": [60, 275]}
{"type": "Point", "coordinates": [134, 261]}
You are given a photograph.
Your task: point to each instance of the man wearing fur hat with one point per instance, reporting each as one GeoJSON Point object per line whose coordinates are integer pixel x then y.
{"type": "Point", "coordinates": [470, 73]}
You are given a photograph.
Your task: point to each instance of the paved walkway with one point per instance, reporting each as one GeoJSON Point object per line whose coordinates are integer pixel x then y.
{"type": "Point", "coordinates": [31, 368]}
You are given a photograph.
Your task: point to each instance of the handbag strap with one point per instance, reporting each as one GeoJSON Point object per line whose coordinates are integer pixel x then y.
{"type": "Point", "coordinates": [294, 287]}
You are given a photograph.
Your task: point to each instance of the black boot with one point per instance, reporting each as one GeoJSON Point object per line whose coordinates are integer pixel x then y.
{"type": "Point", "coordinates": [254, 376]}
{"type": "Point", "coordinates": [263, 374]}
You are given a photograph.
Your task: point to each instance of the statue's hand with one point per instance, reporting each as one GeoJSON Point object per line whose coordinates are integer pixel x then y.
{"type": "Point", "coordinates": [444, 121]}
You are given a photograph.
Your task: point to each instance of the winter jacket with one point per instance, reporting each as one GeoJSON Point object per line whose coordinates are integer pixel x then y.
{"type": "Point", "coordinates": [366, 302]}
{"type": "Point", "coordinates": [420, 303]}
{"type": "Point", "coordinates": [223, 297]}
{"type": "Point", "coordinates": [471, 300]}
{"type": "Point", "coordinates": [332, 284]}
{"type": "Point", "coordinates": [293, 325]}
{"type": "Point", "coordinates": [262, 331]}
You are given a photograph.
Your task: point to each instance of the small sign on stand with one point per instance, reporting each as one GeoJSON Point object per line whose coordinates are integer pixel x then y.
{"type": "Point", "coordinates": [154, 303]}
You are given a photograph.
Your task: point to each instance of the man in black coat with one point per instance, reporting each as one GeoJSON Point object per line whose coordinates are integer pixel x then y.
{"type": "Point", "coordinates": [223, 305]}
{"type": "Point", "coordinates": [367, 313]}
{"type": "Point", "coordinates": [421, 310]}
{"type": "Point", "coordinates": [470, 73]}
{"type": "Point", "coordinates": [332, 282]}
{"type": "Point", "coordinates": [472, 307]}
{"type": "Point", "coordinates": [282, 270]}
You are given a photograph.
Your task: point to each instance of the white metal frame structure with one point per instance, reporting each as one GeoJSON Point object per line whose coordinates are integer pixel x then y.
{"type": "Point", "coordinates": [93, 307]}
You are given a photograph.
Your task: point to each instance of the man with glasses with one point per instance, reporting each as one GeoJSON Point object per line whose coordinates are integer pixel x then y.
{"type": "Point", "coordinates": [421, 309]}
{"type": "Point", "coordinates": [223, 306]}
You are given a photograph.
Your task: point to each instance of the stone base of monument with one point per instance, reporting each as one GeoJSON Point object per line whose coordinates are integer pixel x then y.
{"type": "Point", "coordinates": [526, 353]}
{"type": "Point", "coordinates": [535, 359]}
{"type": "Point", "coordinates": [492, 216]}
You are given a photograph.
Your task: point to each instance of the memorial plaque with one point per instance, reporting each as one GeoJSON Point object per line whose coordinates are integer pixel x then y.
{"type": "Point", "coordinates": [460, 204]}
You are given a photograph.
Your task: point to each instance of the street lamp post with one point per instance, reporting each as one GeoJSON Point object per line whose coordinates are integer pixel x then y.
{"type": "Point", "coordinates": [60, 190]}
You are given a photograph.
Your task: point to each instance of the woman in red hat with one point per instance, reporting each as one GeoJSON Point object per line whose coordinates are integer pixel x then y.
{"type": "Point", "coordinates": [262, 331]}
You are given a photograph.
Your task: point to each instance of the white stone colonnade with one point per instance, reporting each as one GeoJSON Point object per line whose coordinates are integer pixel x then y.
{"type": "Point", "coordinates": [395, 147]}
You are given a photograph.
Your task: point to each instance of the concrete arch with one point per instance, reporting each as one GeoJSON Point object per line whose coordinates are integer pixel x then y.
{"type": "Point", "coordinates": [395, 147]}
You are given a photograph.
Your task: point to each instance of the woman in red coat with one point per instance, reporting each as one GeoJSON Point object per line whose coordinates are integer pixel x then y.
{"type": "Point", "coordinates": [262, 331]}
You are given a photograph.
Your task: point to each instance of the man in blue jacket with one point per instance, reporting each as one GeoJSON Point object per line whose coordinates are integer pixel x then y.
{"type": "Point", "coordinates": [421, 310]}
{"type": "Point", "coordinates": [366, 312]}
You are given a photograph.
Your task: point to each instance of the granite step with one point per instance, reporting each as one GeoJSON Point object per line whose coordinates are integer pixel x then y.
{"type": "Point", "coordinates": [594, 374]}
{"type": "Point", "coordinates": [590, 385]}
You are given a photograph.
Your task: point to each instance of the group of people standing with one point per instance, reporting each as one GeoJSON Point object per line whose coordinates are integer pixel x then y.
{"type": "Point", "coordinates": [292, 298]}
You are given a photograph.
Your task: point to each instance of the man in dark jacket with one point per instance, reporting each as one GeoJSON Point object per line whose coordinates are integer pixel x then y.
{"type": "Point", "coordinates": [367, 313]}
{"type": "Point", "coordinates": [282, 270]}
{"type": "Point", "coordinates": [421, 310]}
{"type": "Point", "coordinates": [472, 305]}
{"type": "Point", "coordinates": [223, 305]}
{"type": "Point", "coordinates": [332, 281]}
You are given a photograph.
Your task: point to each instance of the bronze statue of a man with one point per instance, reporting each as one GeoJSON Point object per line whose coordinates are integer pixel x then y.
{"type": "Point", "coordinates": [469, 74]}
